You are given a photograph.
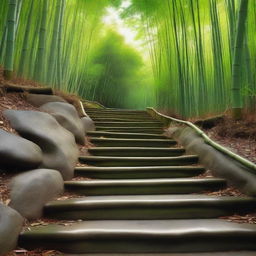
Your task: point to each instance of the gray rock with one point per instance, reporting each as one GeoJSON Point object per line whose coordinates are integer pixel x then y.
{"type": "Point", "coordinates": [30, 191]}
{"type": "Point", "coordinates": [220, 164]}
{"type": "Point", "coordinates": [67, 117]}
{"type": "Point", "coordinates": [10, 227]}
{"type": "Point", "coordinates": [88, 124]}
{"type": "Point", "coordinates": [17, 153]}
{"type": "Point", "coordinates": [41, 99]}
{"type": "Point", "coordinates": [58, 145]}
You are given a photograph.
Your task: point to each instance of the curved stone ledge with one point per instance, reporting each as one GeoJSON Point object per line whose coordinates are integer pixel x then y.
{"type": "Point", "coordinates": [221, 165]}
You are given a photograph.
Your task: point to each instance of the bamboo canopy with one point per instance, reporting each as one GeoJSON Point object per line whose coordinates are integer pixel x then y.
{"type": "Point", "coordinates": [196, 57]}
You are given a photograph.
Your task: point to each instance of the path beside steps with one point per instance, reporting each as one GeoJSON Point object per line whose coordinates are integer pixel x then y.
{"type": "Point", "coordinates": [143, 196]}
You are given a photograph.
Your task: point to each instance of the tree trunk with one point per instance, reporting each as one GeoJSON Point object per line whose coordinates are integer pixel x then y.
{"type": "Point", "coordinates": [40, 62]}
{"type": "Point", "coordinates": [9, 56]}
{"type": "Point", "coordinates": [237, 102]}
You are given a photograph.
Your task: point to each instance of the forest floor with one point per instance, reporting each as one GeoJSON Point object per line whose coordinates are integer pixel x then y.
{"type": "Point", "coordinates": [240, 137]}
{"type": "Point", "coordinates": [237, 136]}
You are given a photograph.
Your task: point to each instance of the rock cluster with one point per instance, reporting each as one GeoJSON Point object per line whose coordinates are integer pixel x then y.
{"type": "Point", "coordinates": [57, 144]}
{"type": "Point", "coordinates": [46, 152]}
{"type": "Point", "coordinates": [67, 117]}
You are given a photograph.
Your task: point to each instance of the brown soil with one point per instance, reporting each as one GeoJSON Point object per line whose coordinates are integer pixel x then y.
{"type": "Point", "coordinates": [39, 252]}
{"type": "Point", "coordinates": [237, 136]}
{"type": "Point", "coordinates": [229, 191]}
{"type": "Point", "coordinates": [247, 218]}
{"type": "Point", "coordinates": [4, 190]}
{"type": "Point", "coordinates": [18, 80]}
{"type": "Point", "coordinates": [12, 101]}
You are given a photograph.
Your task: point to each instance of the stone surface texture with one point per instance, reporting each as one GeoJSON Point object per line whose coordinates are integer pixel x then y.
{"type": "Point", "coordinates": [30, 191]}
{"type": "Point", "coordinates": [10, 227]}
{"type": "Point", "coordinates": [17, 153]}
{"type": "Point", "coordinates": [67, 116]}
{"type": "Point", "coordinates": [88, 124]}
{"type": "Point", "coordinates": [58, 145]}
{"type": "Point", "coordinates": [41, 99]}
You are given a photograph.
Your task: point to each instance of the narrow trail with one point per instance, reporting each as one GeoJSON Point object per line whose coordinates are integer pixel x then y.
{"type": "Point", "coordinates": [144, 196]}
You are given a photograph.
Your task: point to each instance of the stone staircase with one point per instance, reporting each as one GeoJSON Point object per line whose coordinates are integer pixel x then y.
{"type": "Point", "coordinates": [143, 196]}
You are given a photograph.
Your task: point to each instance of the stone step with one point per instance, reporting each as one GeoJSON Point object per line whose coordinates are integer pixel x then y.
{"type": "Point", "coordinates": [153, 130]}
{"type": "Point", "coordinates": [108, 161]}
{"type": "Point", "coordinates": [122, 111]}
{"type": "Point", "coordinates": [119, 113]}
{"type": "Point", "coordinates": [136, 151]}
{"type": "Point", "coordinates": [125, 135]}
{"type": "Point", "coordinates": [148, 207]}
{"type": "Point", "coordinates": [142, 236]}
{"type": "Point", "coordinates": [118, 142]}
{"type": "Point", "coordinates": [138, 118]}
{"type": "Point", "coordinates": [144, 186]}
{"type": "Point", "coordinates": [129, 124]}
{"type": "Point", "coordinates": [139, 172]}
{"type": "Point", "coordinates": [124, 119]}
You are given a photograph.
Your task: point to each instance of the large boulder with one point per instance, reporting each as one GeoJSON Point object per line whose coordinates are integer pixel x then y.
{"type": "Point", "coordinates": [30, 191]}
{"type": "Point", "coordinates": [58, 145]}
{"type": "Point", "coordinates": [88, 124]}
{"type": "Point", "coordinates": [38, 100]}
{"type": "Point", "coordinates": [10, 226]}
{"type": "Point", "coordinates": [17, 153]}
{"type": "Point", "coordinates": [67, 117]}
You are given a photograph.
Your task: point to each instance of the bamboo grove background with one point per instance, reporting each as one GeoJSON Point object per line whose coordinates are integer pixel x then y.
{"type": "Point", "coordinates": [190, 45]}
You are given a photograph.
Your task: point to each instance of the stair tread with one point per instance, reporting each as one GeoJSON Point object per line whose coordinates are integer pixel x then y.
{"type": "Point", "coordinates": [139, 172]}
{"type": "Point", "coordinates": [139, 168]}
{"type": "Point", "coordinates": [127, 119]}
{"type": "Point", "coordinates": [159, 158]}
{"type": "Point", "coordinates": [151, 200]}
{"type": "Point", "coordinates": [131, 122]}
{"type": "Point", "coordinates": [142, 228]}
{"type": "Point", "coordinates": [102, 133]}
{"type": "Point", "coordinates": [147, 182]}
{"type": "Point", "coordinates": [136, 149]}
{"type": "Point", "coordinates": [130, 127]}
{"type": "Point", "coordinates": [125, 140]}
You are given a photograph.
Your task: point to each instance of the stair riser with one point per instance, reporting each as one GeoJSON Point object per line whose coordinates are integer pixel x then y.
{"type": "Point", "coordinates": [126, 136]}
{"type": "Point", "coordinates": [146, 212]}
{"type": "Point", "coordinates": [133, 143]}
{"type": "Point", "coordinates": [139, 174]}
{"type": "Point", "coordinates": [106, 119]}
{"type": "Point", "coordinates": [130, 130]}
{"type": "Point", "coordinates": [129, 124]}
{"type": "Point", "coordinates": [120, 163]}
{"type": "Point", "coordinates": [131, 243]}
{"type": "Point", "coordinates": [115, 115]}
{"type": "Point", "coordinates": [135, 153]}
{"type": "Point", "coordinates": [137, 119]}
{"type": "Point", "coordinates": [144, 190]}
{"type": "Point", "coordinates": [116, 111]}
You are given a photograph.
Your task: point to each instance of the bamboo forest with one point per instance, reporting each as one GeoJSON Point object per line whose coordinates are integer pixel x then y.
{"type": "Point", "coordinates": [188, 57]}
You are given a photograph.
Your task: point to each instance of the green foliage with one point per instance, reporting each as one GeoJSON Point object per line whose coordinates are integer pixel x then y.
{"type": "Point", "coordinates": [116, 72]}
{"type": "Point", "coordinates": [191, 45]}
{"type": "Point", "coordinates": [185, 63]}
